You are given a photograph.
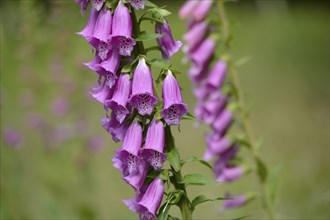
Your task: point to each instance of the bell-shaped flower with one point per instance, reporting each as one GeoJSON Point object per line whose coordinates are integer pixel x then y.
{"type": "Point", "coordinates": [218, 147]}
{"type": "Point", "coordinates": [217, 76]}
{"type": "Point", "coordinates": [222, 122]}
{"type": "Point", "coordinates": [151, 200]}
{"type": "Point", "coordinates": [94, 64]}
{"type": "Point", "coordinates": [88, 30]}
{"type": "Point", "coordinates": [203, 53]}
{"type": "Point", "coordinates": [174, 108]}
{"type": "Point", "coordinates": [97, 4]}
{"type": "Point", "coordinates": [109, 67]}
{"type": "Point", "coordinates": [121, 36]}
{"type": "Point", "coordinates": [213, 106]}
{"type": "Point", "coordinates": [153, 150]}
{"type": "Point", "coordinates": [101, 34]}
{"type": "Point", "coordinates": [167, 44]}
{"type": "Point", "coordinates": [187, 9]}
{"type": "Point", "coordinates": [200, 12]}
{"type": "Point", "coordinates": [142, 97]}
{"type": "Point", "coordinates": [114, 128]}
{"type": "Point", "coordinates": [195, 36]}
{"type": "Point", "coordinates": [235, 201]}
{"type": "Point", "coordinates": [83, 5]}
{"type": "Point", "coordinates": [129, 153]}
{"type": "Point", "coordinates": [120, 96]}
{"type": "Point", "coordinates": [229, 174]}
{"type": "Point", "coordinates": [137, 4]}
{"type": "Point", "coordinates": [198, 72]}
{"type": "Point", "coordinates": [137, 180]}
{"type": "Point", "coordinates": [102, 92]}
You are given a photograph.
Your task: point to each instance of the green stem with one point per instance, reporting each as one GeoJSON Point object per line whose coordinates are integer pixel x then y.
{"type": "Point", "coordinates": [184, 203]}
{"type": "Point", "coordinates": [136, 32]}
{"type": "Point", "coordinates": [240, 99]}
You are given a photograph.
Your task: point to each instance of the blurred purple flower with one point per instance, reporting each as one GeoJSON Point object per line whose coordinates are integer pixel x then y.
{"type": "Point", "coordinates": [95, 143]}
{"type": "Point", "coordinates": [234, 201]}
{"type": "Point", "coordinates": [12, 137]}
{"type": "Point", "coordinates": [83, 5]}
{"type": "Point", "coordinates": [60, 106]}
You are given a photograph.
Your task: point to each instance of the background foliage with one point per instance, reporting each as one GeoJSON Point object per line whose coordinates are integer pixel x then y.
{"type": "Point", "coordinates": [62, 167]}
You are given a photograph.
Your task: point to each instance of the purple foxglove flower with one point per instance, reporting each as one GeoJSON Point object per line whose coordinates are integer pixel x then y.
{"type": "Point", "coordinates": [137, 180]}
{"type": "Point", "coordinates": [88, 30]}
{"type": "Point", "coordinates": [199, 111]}
{"type": "Point", "coordinates": [218, 147]}
{"type": "Point", "coordinates": [132, 203]}
{"type": "Point", "coordinates": [201, 93]}
{"type": "Point", "coordinates": [101, 34]}
{"type": "Point", "coordinates": [229, 154]}
{"type": "Point", "coordinates": [109, 67]}
{"type": "Point", "coordinates": [198, 73]}
{"type": "Point", "coordinates": [234, 201]}
{"type": "Point", "coordinates": [216, 76]}
{"type": "Point", "coordinates": [97, 4]}
{"type": "Point", "coordinates": [122, 30]}
{"type": "Point", "coordinates": [212, 107]}
{"type": "Point", "coordinates": [203, 53]}
{"type": "Point", "coordinates": [200, 12]}
{"type": "Point", "coordinates": [114, 128]}
{"type": "Point", "coordinates": [153, 150]}
{"type": "Point", "coordinates": [118, 164]}
{"type": "Point", "coordinates": [120, 96]}
{"type": "Point", "coordinates": [174, 108]}
{"type": "Point", "coordinates": [129, 153]}
{"type": "Point", "coordinates": [195, 36]}
{"type": "Point", "coordinates": [83, 5]}
{"type": "Point", "coordinates": [167, 44]}
{"type": "Point", "coordinates": [223, 121]}
{"type": "Point", "coordinates": [94, 64]}
{"type": "Point", "coordinates": [151, 200]}
{"type": "Point", "coordinates": [142, 97]}
{"type": "Point", "coordinates": [101, 93]}
{"type": "Point", "coordinates": [137, 4]}
{"type": "Point", "coordinates": [187, 9]}
{"type": "Point", "coordinates": [229, 174]}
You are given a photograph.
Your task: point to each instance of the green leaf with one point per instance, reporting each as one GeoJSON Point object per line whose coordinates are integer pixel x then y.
{"type": "Point", "coordinates": [175, 196]}
{"type": "Point", "coordinates": [192, 158]}
{"type": "Point", "coordinates": [272, 183]}
{"type": "Point", "coordinates": [164, 174]}
{"type": "Point", "coordinates": [261, 170]}
{"type": "Point", "coordinates": [242, 217]}
{"type": "Point", "coordinates": [173, 158]}
{"type": "Point", "coordinates": [163, 211]}
{"type": "Point", "coordinates": [201, 199]}
{"type": "Point", "coordinates": [145, 36]}
{"type": "Point", "coordinates": [189, 116]}
{"type": "Point", "coordinates": [196, 179]}
{"type": "Point", "coordinates": [163, 12]}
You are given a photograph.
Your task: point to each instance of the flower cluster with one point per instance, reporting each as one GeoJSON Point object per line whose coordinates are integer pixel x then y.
{"type": "Point", "coordinates": [137, 115]}
{"type": "Point", "coordinates": [208, 74]}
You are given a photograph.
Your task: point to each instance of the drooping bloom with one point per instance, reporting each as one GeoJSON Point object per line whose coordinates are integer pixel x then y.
{"type": "Point", "coordinates": [102, 92]}
{"type": "Point", "coordinates": [120, 96]}
{"type": "Point", "coordinates": [200, 12]}
{"type": "Point", "coordinates": [174, 108]}
{"type": "Point", "coordinates": [217, 76]}
{"type": "Point", "coordinates": [94, 64]}
{"type": "Point", "coordinates": [153, 150]}
{"type": "Point", "coordinates": [83, 5]}
{"type": "Point", "coordinates": [101, 34]}
{"type": "Point", "coordinates": [187, 9]}
{"type": "Point", "coordinates": [229, 174]}
{"type": "Point", "coordinates": [203, 53]}
{"type": "Point", "coordinates": [167, 44]}
{"type": "Point", "coordinates": [213, 106]}
{"type": "Point", "coordinates": [223, 121]}
{"type": "Point", "coordinates": [97, 4]}
{"type": "Point", "coordinates": [234, 201]}
{"type": "Point", "coordinates": [129, 153]}
{"type": "Point", "coordinates": [108, 68]}
{"type": "Point", "coordinates": [195, 36]}
{"type": "Point", "coordinates": [121, 37]}
{"type": "Point", "coordinates": [151, 200]}
{"type": "Point", "coordinates": [137, 4]}
{"type": "Point", "coordinates": [142, 97]}
{"type": "Point", "coordinates": [114, 128]}
{"type": "Point", "coordinates": [88, 30]}
{"type": "Point", "coordinates": [137, 180]}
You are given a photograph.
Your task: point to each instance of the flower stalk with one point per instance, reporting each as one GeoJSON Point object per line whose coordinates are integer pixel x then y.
{"type": "Point", "coordinates": [224, 27]}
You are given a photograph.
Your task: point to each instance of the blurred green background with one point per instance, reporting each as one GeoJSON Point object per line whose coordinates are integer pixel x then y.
{"type": "Point", "coordinates": [57, 163]}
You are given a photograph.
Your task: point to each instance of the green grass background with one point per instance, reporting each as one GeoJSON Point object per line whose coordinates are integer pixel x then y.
{"type": "Point", "coordinates": [286, 83]}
